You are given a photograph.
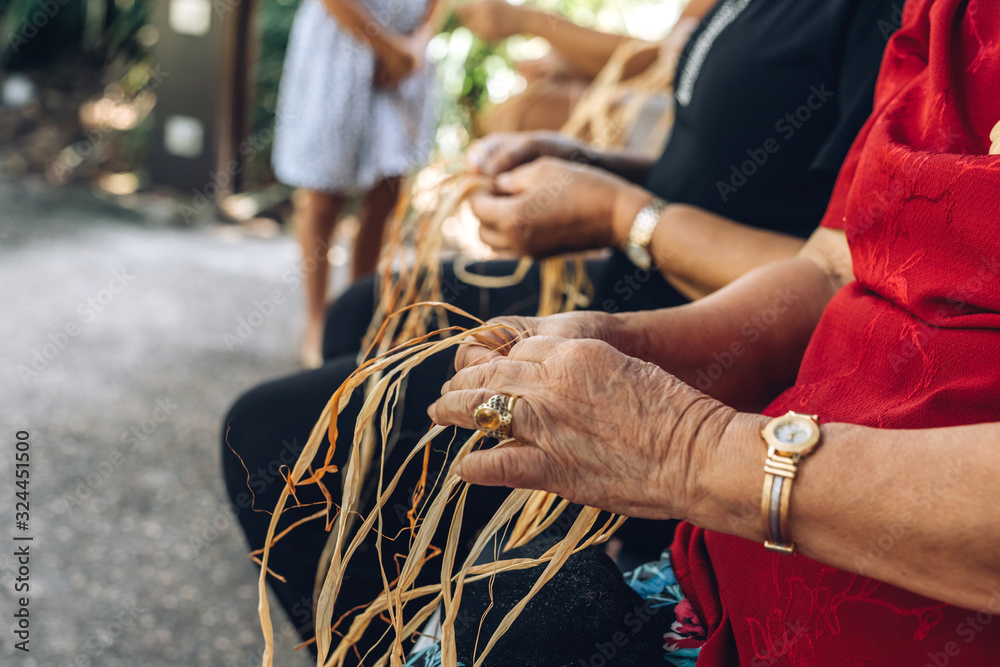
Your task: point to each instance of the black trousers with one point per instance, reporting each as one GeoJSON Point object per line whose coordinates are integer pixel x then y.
{"type": "Point", "coordinates": [268, 426]}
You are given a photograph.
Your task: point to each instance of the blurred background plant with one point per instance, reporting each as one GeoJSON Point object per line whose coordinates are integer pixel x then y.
{"type": "Point", "coordinates": [79, 81]}
{"type": "Point", "coordinates": [75, 75]}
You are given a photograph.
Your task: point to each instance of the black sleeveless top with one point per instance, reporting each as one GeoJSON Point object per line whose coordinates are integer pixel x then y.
{"type": "Point", "coordinates": [769, 97]}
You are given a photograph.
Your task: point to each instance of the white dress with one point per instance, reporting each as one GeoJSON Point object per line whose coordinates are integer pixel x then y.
{"type": "Point", "coordinates": [335, 131]}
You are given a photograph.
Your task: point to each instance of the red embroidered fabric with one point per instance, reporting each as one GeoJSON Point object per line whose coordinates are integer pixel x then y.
{"type": "Point", "coordinates": [914, 342]}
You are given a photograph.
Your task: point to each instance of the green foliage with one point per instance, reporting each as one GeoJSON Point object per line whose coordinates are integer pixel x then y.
{"type": "Point", "coordinates": [39, 33]}
{"type": "Point", "coordinates": [273, 22]}
{"type": "Point", "coordinates": [272, 25]}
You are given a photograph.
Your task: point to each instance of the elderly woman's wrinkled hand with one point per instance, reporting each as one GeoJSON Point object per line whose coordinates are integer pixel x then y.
{"type": "Point", "coordinates": [597, 427]}
{"type": "Point", "coordinates": [551, 206]}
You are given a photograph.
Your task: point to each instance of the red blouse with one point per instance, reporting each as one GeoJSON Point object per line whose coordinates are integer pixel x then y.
{"type": "Point", "coordinates": [914, 342]}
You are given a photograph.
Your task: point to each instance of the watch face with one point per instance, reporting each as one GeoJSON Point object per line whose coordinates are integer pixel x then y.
{"type": "Point", "coordinates": [792, 434]}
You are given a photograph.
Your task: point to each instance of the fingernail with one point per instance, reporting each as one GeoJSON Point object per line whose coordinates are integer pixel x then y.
{"type": "Point", "coordinates": [444, 387]}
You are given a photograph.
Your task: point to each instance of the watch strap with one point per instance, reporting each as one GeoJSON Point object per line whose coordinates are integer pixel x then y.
{"type": "Point", "coordinates": [779, 473]}
{"type": "Point", "coordinates": [641, 232]}
{"type": "Point", "coordinates": [780, 470]}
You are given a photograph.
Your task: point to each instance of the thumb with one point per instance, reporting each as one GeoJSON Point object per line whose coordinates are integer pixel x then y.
{"type": "Point", "coordinates": [517, 467]}
{"type": "Point", "coordinates": [517, 180]}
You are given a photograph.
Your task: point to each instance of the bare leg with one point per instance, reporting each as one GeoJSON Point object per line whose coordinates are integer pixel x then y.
{"type": "Point", "coordinates": [379, 204]}
{"type": "Point", "coordinates": [316, 216]}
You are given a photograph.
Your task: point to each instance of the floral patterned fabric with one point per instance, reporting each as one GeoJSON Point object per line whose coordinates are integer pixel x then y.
{"type": "Point", "coordinates": [656, 583]}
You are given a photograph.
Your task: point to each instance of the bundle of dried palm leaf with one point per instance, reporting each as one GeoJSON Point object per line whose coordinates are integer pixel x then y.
{"type": "Point", "coordinates": [400, 338]}
{"type": "Point", "coordinates": [529, 512]}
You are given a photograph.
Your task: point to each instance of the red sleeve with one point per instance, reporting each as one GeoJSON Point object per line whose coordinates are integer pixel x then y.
{"type": "Point", "coordinates": [896, 72]}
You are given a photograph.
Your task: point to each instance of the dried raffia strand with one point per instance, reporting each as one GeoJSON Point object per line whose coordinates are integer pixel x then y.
{"type": "Point", "coordinates": [397, 597]}
{"type": "Point", "coordinates": [531, 518]}
{"type": "Point", "coordinates": [323, 427]}
{"type": "Point", "coordinates": [352, 486]}
{"type": "Point", "coordinates": [492, 282]}
{"type": "Point", "coordinates": [406, 280]}
{"type": "Point", "coordinates": [601, 116]}
{"type": "Point", "coordinates": [539, 525]}
{"type": "Point", "coordinates": [402, 361]}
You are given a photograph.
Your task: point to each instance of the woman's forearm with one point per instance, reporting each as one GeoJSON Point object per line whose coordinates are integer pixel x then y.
{"type": "Point", "coordinates": [742, 344]}
{"type": "Point", "coordinates": [702, 252]}
{"type": "Point", "coordinates": [698, 8]}
{"type": "Point", "coordinates": [698, 251]}
{"type": "Point", "coordinates": [917, 509]}
{"type": "Point", "coordinates": [587, 50]}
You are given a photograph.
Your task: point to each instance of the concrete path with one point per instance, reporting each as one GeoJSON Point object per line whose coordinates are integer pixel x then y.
{"type": "Point", "coordinates": [118, 357]}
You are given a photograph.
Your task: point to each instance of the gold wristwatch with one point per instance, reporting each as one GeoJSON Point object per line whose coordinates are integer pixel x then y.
{"type": "Point", "coordinates": [641, 233]}
{"type": "Point", "coordinates": [789, 438]}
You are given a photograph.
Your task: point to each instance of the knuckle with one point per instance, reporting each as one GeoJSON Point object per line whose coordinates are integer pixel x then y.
{"type": "Point", "coordinates": [472, 400]}
{"type": "Point", "coordinates": [508, 470]}
{"type": "Point", "coordinates": [492, 368]}
{"type": "Point", "coordinates": [586, 345]}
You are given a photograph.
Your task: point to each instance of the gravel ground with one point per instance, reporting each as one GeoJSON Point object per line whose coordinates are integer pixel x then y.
{"type": "Point", "coordinates": [115, 359]}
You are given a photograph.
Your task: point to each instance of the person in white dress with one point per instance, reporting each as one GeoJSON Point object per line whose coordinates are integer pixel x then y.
{"type": "Point", "coordinates": [357, 111]}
